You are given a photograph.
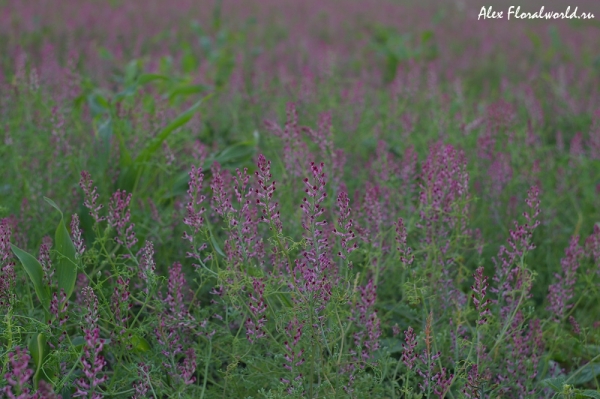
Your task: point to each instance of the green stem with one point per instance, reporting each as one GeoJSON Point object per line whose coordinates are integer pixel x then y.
{"type": "Point", "coordinates": [207, 363]}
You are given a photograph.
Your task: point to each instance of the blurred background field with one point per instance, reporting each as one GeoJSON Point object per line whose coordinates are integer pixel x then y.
{"type": "Point", "coordinates": [103, 86]}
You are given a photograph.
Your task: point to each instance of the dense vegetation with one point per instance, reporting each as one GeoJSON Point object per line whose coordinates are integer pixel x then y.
{"type": "Point", "coordinates": [297, 199]}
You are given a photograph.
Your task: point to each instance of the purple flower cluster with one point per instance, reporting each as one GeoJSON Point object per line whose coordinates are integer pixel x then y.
{"type": "Point", "coordinates": [406, 256]}
{"type": "Point", "coordinates": [295, 151]}
{"type": "Point", "coordinates": [479, 296]}
{"type": "Point", "coordinates": [18, 376]}
{"type": "Point", "coordinates": [255, 325]}
{"type": "Point", "coordinates": [344, 229]}
{"type": "Point", "coordinates": [76, 235]}
{"type": "Point", "coordinates": [365, 317]}
{"type": "Point", "coordinates": [93, 362]}
{"type": "Point", "coordinates": [444, 188]}
{"type": "Point", "coordinates": [294, 356]}
{"type": "Point", "coordinates": [561, 292]}
{"type": "Point", "coordinates": [119, 217]}
{"type": "Point", "coordinates": [264, 194]}
{"type": "Point", "coordinates": [510, 275]}
{"type": "Point", "coordinates": [194, 207]}
{"type": "Point", "coordinates": [120, 303]}
{"type": "Point", "coordinates": [7, 267]}
{"type": "Point", "coordinates": [45, 261]}
{"type": "Point", "coordinates": [91, 196]}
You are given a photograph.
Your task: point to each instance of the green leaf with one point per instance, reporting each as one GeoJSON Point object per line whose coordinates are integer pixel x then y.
{"type": "Point", "coordinates": [178, 122]}
{"type": "Point", "coordinates": [36, 275]}
{"type": "Point", "coordinates": [98, 104]}
{"type": "Point", "coordinates": [146, 78]}
{"type": "Point", "coordinates": [585, 374]}
{"type": "Point", "coordinates": [66, 268]}
{"type": "Point", "coordinates": [78, 341]}
{"type": "Point", "coordinates": [426, 36]}
{"type": "Point", "coordinates": [131, 174]}
{"type": "Point", "coordinates": [139, 344]}
{"type": "Point", "coordinates": [588, 393]}
{"type": "Point", "coordinates": [39, 350]}
{"type": "Point", "coordinates": [129, 91]}
{"type": "Point", "coordinates": [237, 153]}
{"type": "Point", "coordinates": [132, 71]}
{"type": "Point", "coordinates": [188, 62]}
{"type": "Point", "coordinates": [105, 54]}
{"type": "Point", "coordinates": [186, 90]}
{"type": "Point", "coordinates": [215, 243]}
{"type": "Point", "coordinates": [285, 300]}
{"type": "Point", "coordinates": [556, 383]}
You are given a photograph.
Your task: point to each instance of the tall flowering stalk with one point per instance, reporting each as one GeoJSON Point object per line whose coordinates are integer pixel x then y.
{"type": "Point", "coordinates": [76, 235]}
{"type": "Point", "coordinates": [592, 247]}
{"type": "Point", "coordinates": [194, 208]}
{"type": "Point", "coordinates": [513, 280]}
{"type": "Point", "coordinates": [59, 309]}
{"type": "Point", "coordinates": [345, 223]}
{"type": "Point", "coordinates": [406, 256]}
{"type": "Point", "coordinates": [561, 292]}
{"type": "Point", "coordinates": [479, 296]}
{"type": "Point", "coordinates": [365, 317]}
{"type": "Point", "coordinates": [444, 191]}
{"type": "Point", "coordinates": [264, 195]}
{"type": "Point", "coordinates": [256, 323]}
{"type": "Point", "coordinates": [175, 300]}
{"type": "Point", "coordinates": [436, 383]}
{"type": "Point", "coordinates": [120, 303]}
{"type": "Point", "coordinates": [194, 218]}
{"type": "Point", "coordinates": [147, 267]}
{"type": "Point", "coordinates": [294, 356]}
{"type": "Point", "coordinates": [7, 266]}
{"type": "Point", "coordinates": [45, 261]}
{"type": "Point", "coordinates": [243, 243]}
{"type": "Point", "coordinates": [312, 209]}
{"type": "Point", "coordinates": [92, 361]}
{"type": "Point", "coordinates": [119, 218]}
{"type": "Point", "coordinates": [91, 196]}
{"type": "Point", "coordinates": [18, 376]}
{"type": "Point", "coordinates": [295, 151]}
{"type": "Point", "coordinates": [310, 272]}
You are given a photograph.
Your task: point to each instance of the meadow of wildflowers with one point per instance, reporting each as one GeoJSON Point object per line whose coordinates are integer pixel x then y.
{"type": "Point", "coordinates": [304, 199]}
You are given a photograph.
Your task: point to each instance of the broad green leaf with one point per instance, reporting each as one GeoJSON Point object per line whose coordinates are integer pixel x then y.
{"type": "Point", "coordinates": [215, 243]}
{"type": "Point", "coordinates": [66, 268]}
{"type": "Point", "coordinates": [78, 341]}
{"type": "Point", "coordinates": [285, 300]}
{"type": "Point", "coordinates": [125, 156]}
{"type": "Point", "coordinates": [130, 175]}
{"type": "Point", "coordinates": [39, 350]}
{"type": "Point", "coordinates": [146, 78]}
{"type": "Point", "coordinates": [188, 62]}
{"type": "Point", "coordinates": [585, 374]}
{"type": "Point", "coordinates": [426, 36]}
{"type": "Point", "coordinates": [132, 71]}
{"type": "Point", "coordinates": [186, 90]}
{"type": "Point", "coordinates": [588, 393]}
{"type": "Point", "coordinates": [139, 344]}
{"type": "Point", "coordinates": [129, 91]}
{"type": "Point", "coordinates": [238, 152]}
{"type": "Point", "coordinates": [178, 122]}
{"type": "Point", "coordinates": [105, 131]}
{"type": "Point", "coordinates": [105, 54]}
{"type": "Point", "coordinates": [98, 104]}
{"type": "Point", "coordinates": [36, 274]}
{"type": "Point", "coordinates": [556, 383]}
